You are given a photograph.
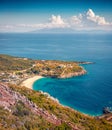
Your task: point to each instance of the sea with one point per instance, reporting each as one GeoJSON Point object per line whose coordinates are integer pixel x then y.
{"type": "Point", "coordinates": [89, 93]}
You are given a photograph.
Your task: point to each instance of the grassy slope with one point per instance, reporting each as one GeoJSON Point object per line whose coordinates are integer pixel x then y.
{"type": "Point", "coordinates": [65, 113]}
{"type": "Point", "coordinates": [10, 63]}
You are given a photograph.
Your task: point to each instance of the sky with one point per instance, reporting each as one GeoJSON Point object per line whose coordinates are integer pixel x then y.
{"type": "Point", "coordinates": [31, 15]}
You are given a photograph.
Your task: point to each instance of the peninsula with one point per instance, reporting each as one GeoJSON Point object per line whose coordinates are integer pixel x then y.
{"type": "Point", "coordinates": [15, 69]}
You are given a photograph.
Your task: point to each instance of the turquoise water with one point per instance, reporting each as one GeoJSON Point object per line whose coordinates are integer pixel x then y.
{"type": "Point", "coordinates": [88, 93]}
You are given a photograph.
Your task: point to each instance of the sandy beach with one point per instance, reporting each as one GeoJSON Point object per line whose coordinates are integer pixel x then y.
{"type": "Point", "coordinates": [29, 82]}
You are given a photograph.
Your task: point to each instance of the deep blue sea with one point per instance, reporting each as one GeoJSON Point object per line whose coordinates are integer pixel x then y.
{"type": "Point", "coordinates": [88, 93]}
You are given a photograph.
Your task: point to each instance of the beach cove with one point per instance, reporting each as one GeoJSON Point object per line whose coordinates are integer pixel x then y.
{"type": "Point", "coordinates": [30, 81]}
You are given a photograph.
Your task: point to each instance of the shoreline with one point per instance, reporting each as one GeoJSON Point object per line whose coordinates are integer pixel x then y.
{"type": "Point", "coordinates": [30, 81]}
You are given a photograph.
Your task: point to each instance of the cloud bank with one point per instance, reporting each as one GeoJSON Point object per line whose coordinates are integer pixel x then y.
{"type": "Point", "coordinates": [96, 19]}
{"type": "Point", "coordinates": [85, 21]}
{"type": "Point", "coordinates": [90, 21]}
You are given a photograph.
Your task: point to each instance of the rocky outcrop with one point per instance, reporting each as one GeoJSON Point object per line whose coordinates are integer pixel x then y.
{"type": "Point", "coordinates": [73, 74]}
{"type": "Point", "coordinates": [9, 98]}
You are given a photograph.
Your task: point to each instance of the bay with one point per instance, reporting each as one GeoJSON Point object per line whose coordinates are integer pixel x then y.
{"type": "Point", "coordinates": [88, 93]}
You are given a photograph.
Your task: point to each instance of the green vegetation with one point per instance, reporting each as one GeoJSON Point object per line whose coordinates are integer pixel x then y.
{"type": "Point", "coordinates": [9, 63]}
{"type": "Point", "coordinates": [82, 122]}
{"type": "Point", "coordinates": [57, 69]}
{"type": "Point", "coordinates": [14, 70]}
{"type": "Point", "coordinates": [46, 68]}
{"type": "Point", "coordinates": [10, 121]}
{"type": "Point", "coordinates": [20, 110]}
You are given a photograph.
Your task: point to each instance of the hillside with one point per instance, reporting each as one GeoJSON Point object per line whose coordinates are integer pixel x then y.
{"type": "Point", "coordinates": [10, 63]}
{"type": "Point", "coordinates": [14, 69]}
{"type": "Point", "coordinates": [24, 109]}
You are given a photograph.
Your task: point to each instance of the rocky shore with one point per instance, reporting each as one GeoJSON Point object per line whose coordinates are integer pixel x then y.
{"type": "Point", "coordinates": [73, 74]}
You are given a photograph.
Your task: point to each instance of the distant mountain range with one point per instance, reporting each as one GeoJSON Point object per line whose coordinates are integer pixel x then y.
{"type": "Point", "coordinates": [67, 30]}
{"type": "Point", "coordinates": [54, 30]}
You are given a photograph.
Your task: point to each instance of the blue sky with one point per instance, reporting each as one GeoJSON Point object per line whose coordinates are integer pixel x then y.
{"type": "Point", "coordinates": [16, 13]}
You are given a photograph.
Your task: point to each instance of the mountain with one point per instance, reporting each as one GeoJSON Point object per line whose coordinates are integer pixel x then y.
{"type": "Point", "coordinates": [54, 30]}
{"type": "Point", "coordinates": [67, 31]}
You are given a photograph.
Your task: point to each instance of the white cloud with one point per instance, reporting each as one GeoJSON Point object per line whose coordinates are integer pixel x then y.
{"type": "Point", "coordinates": [54, 22]}
{"type": "Point", "coordinates": [85, 21]}
{"type": "Point", "coordinates": [90, 13]}
{"type": "Point", "coordinates": [76, 19]}
{"type": "Point", "coordinates": [89, 21]}
{"type": "Point", "coordinates": [57, 20]}
{"type": "Point", "coordinates": [96, 18]}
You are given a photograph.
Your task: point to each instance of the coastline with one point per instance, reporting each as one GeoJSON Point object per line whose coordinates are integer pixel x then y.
{"type": "Point", "coordinates": [29, 82]}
